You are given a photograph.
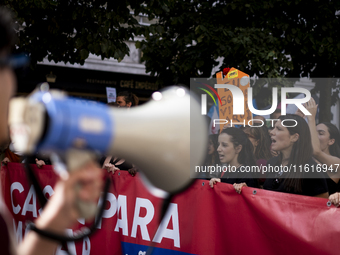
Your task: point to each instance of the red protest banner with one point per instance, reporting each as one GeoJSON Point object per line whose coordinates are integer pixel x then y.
{"type": "Point", "coordinates": [200, 220]}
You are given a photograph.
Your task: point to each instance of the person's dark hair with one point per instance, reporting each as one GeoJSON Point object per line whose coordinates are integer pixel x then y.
{"type": "Point", "coordinates": [213, 159]}
{"type": "Point", "coordinates": [129, 97]}
{"type": "Point", "coordinates": [262, 150]}
{"type": "Point", "coordinates": [8, 36]}
{"type": "Point", "coordinates": [334, 133]}
{"type": "Point", "coordinates": [238, 137]}
{"type": "Point", "coordinates": [112, 104]}
{"type": "Point", "coordinates": [276, 111]}
{"type": "Point", "coordinates": [301, 153]}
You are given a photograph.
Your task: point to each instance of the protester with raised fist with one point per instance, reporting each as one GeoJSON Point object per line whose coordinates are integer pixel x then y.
{"type": "Point", "coordinates": [291, 137]}
{"type": "Point", "coordinates": [326, 149]}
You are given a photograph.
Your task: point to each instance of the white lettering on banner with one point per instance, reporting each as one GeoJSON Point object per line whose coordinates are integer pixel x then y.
{"type": "Point", "coordinates": [71, 247]}
{"type": "Point", "coordinates": [20, 188]}
{"type": "Point", "coordinates": [86, 246]}
{"type": "Point", "coordinates": [163, 231]}
{"type": "Point", "coordinates": [48, 190]}
{"type": "Point", "coordinates": [142, 221]}
{"type": "Point", "coordinates": [111, 211]}
{"type": "Point", "coordinates": [81, 221]}
{"type": "Point", "coordinates": [30, 196]}
{"type": "Point", "coordinates": [122, 223]}
{"type": "Point", "coordinates": [18, 231]}
{"type": "Point", "coordinates": [30, 207]}
{"type": "Point", "coordinates": [114, 205]}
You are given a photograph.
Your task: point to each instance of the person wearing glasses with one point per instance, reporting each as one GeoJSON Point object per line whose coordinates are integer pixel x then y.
{"type": "Point", "coordinates": [61, 211]}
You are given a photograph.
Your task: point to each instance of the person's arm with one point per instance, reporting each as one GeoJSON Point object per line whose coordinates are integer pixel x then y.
{"type": "Point", "coordinates": [321, 156]}
{"type": "Point", "coordinates": [61, 211]}
{"type": "Point", "coordinates": [7, 87]}
{"type": "Point", "coordinates": [323, 195]}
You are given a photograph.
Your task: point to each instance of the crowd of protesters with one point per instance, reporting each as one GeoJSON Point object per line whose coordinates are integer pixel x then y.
{"type": "Point", "coordinates": [305, 144]}
{"type": "Point", "coordinates": [310, 153]}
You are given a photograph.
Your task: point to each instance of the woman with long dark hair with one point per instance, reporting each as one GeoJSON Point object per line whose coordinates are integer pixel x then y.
{"type": "Point", "coordinates": [212, 158]}
{"type": "Point", "coordinates": [260, 139]}
{"type": "Point", "coordinates": [291, 137]}
{"type": "Point", "coordinates": [236, 150]}
{"type": "Point", "coordinates": [326, 149]}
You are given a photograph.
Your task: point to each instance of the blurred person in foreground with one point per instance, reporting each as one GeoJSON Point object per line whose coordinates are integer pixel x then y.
{"type": "Point", "coordinates": [61, 211]}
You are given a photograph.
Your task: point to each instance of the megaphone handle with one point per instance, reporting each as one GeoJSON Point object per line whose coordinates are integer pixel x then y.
{"type": "Point", "coordinates": [75, 159]}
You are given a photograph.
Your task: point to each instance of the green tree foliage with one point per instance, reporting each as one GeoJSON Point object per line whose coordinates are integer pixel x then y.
{"type": "Point", "coordinates": [269, 38]}
{"type": "Point", "coordinates": [281, 38]}
{"type": "Point", "coordinates": [68, 31]}
{"type": "Point", "coordinates": [191, 35]}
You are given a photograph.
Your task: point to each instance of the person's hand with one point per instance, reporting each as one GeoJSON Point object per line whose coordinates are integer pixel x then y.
{"type": "Point", "coordinates": [39, 163]}
{"type": "Point", "coordinates": [110, 167]}
{"type": "Point", "coordinates": [61, 211]}
{"type": "Point", "coordinates": [312, 107]}
{"type": "Point", "coordinates": [238, 187]}
{"type": "Point", "coordinates": [5, 161]}
{"type": "Point", "coordinates": [335, 199]}
{"type": "Point", "coordinates": [300, 113]}
{"type": "Point", "coordinates": [213, 181]}
{"type": "Point", "coordinates": [133, 171]}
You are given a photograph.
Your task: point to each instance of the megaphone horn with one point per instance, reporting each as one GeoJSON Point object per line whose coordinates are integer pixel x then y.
{"type": "Point", "coordinates": [165, 137]}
